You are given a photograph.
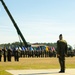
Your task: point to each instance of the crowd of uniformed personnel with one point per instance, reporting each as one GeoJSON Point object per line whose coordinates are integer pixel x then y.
{"type": "Point", "coordinates": [8, 53]}
{"type": "Point", "coordinates": [19, 52]}
{"type": "Point", "coordinates": [38, 53]}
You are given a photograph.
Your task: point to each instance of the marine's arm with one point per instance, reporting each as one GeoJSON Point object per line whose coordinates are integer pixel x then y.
{"type": "Point", "coordinates": [58, 48]}
{"type": "Point", "coordinates": [66, 49]}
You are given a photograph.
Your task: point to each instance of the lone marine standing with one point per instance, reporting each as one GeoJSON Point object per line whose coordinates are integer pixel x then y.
{"type": "Point", "coordinates": [61, 52]}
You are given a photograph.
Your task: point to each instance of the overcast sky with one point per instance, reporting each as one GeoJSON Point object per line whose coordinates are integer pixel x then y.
{"type": "Point", "coordinates": [38, 20]}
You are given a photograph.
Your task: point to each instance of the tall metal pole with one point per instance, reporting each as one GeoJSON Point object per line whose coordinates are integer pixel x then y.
{"type": "Point", "coordinates": [14, 23]}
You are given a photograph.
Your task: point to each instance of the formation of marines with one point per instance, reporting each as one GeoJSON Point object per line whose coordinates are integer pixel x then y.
{"type": "Point", "coordinates": [18, 52]}
{"type": "Point", "coordinates": [7, 54]}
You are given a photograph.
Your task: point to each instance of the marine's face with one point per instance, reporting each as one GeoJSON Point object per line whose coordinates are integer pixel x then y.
{"type": "Point", "coordinates": [60, 37]}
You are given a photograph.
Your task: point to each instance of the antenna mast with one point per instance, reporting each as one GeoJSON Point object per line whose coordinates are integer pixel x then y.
{"type": "Point", "coordinates": [14, 23]}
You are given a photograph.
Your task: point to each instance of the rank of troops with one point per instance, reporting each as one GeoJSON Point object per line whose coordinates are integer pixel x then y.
{"type": "Point", "coordinates": [8, 53]}
{"type": "Point", "coordinates": [38, 52]}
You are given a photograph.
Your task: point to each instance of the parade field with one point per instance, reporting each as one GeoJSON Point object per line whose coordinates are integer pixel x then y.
{"type": "Point", "coordinates": [34, 63]}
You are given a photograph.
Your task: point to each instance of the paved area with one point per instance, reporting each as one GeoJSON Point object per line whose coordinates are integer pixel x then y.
{"type": "Point", "coordinates": [41, 72]}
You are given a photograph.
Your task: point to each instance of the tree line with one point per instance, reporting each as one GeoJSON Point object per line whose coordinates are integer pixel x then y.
{"type": "Point", "coordinates": [21, 44]}
{"type": "Point", "coordinates": [17, 44]}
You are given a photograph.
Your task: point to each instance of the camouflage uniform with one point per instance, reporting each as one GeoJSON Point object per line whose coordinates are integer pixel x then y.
{"type": "Point", "coordinates": [61, 52]}
{"type": "Point", "coordinates": [9, 54]}
{"type": "Point", "coordinates": [4, 54]}
{"type": "Point", "coordinates": [17, 54]}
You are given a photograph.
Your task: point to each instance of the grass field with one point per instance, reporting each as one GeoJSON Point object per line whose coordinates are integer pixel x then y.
{"type": "Point", "coordinates": [34, 63]}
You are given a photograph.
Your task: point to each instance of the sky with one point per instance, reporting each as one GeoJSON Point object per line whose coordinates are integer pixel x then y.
{"type": "Point", "coordinates": [39, 21]}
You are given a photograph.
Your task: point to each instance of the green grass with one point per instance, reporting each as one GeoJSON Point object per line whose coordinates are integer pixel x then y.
{"type": "Point", "coordinates": [3, 72]}
{"type": "Point", "coordinates": [34, 63]}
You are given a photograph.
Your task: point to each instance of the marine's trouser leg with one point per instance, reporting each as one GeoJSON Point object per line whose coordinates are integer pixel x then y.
{"type": "Point", "coordinates": [4, 58]}
{"type": "Point", "coordinates": [62, 63]}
